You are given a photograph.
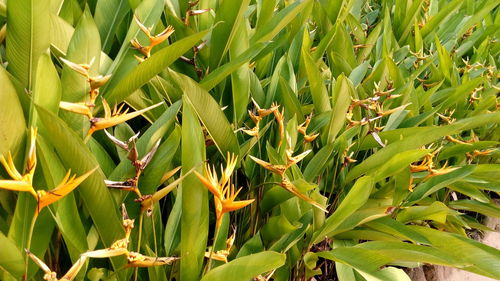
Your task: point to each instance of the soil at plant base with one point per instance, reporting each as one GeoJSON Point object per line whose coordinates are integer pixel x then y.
{"type": "Point", "coordinates": [442, 273]}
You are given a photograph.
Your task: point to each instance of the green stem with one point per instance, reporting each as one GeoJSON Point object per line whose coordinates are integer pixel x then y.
{"type": "Point", "coordinates": [209, 265]}
{"type": "Point", "coordinates": [136, 270]}
{"type": "Point", "coordinates": [28, 244]}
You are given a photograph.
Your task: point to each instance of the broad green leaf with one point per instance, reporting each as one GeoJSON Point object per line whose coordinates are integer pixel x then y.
{"type": "Point", "coordinates": [318, 90]}
{"type": "Point", "coordinates": [279, 21]}
{"type": "Point", "coordinates": [437, 211]}
{"type": "Point", "coordinates": [28, 38]}
{"type": "Point", "coordinates": [210, 114]}
{"type": "Point", "coordinates": [487, 209]}
{"type": "Point", "coordinates": [357, 197]}
{"type": "Point", "coordinates": [151, 67]}
{"type": "Point", "coordinates": [108, 15]}
{"type": "Point", "coordinates": [342, 94]}
{"type": "Point", "coordinates": [397, 163]}
{"type": "Point", "coordinates": [194, 219]}
{"type": "Point", "coordinates": [47, 89]}
{"type": "Point", "coordinates": [11, 259]}
{"type": "Point", "coordinates": [85, 46]}
{"type": "Point", "coordinates": [96, 196]}
{"type": "Point", "coordinates": [218, 75]}
{"type": "Point", "coordinates": [228, 19]}
{"type": "Point", "coordinates": [441, 17]}
{"type": "Point", "coordinates": [437, 182]}
{"type": "Point", "coordinates": [246, 267]}
{"type": "Point", "coordinates": [12, 123]}
{"type": "Point", "coordinates": [480, 259]}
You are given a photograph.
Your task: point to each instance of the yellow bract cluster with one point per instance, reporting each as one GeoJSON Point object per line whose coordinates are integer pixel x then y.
{"type": "Point", "coordinates": [154, 40]}
{"type": "Point", "coordinates": [24, 182]}
{"type": "Point", "coordinates": [281, 171]}
{"type": "Point", "coordinates": [111, 117]}
{"type": "Point", "coordinates": [223, 190]}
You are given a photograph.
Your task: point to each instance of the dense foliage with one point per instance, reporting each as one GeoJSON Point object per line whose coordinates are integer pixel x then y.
{"type": "Point", "coordinates": [355, 138]}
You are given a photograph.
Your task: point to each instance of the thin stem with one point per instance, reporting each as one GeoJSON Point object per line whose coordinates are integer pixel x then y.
{"type": "Point", "coordinates": [154, 233]}
{"type": "Point", "coordinates": [28, 244]}
{"type": "Point", "coordinates": [136, 270]}
{"type": "Point", "coordinates": [209, 265]}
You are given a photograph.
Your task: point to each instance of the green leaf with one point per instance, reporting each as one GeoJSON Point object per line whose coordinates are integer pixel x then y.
{"type": "Point", "coordinates": [342, 94]}
{"type": "Point", "coordinates": [437, 211]}
{"type": "Point", "coordinates": [12, 123]}
{"type": "Point", "coordinates": [357, 197]}
{"type": "Point", "coordinates": [28, 38]}
{"type": "Point", "coordinates": [218, 75]}
{"type": "Point", "coordinates": [47, 90]}
{"type": "Point", "coordinates": [398, 162]}
{"type": "Point", "coordinates": [11, 259]}
{"type": "Point", "coordinates": [246, 267]}
{"type": "Point", "coordinates": [108, 15]}
{"type": "Point", "coordinates": [229, 16]}
{"type": "Point", "coordinates": [210, 114]}
{"type": "Point", "coordinates": [152, 66]}
{"type": "Point", "coordinates": [96, 196]}
{"type": "Point", "coordinates": [437, 182]}
{"type": "Point", "coordinates": [487, 209]}
{"type": "Point", "coordinates": [439, 18]}
{"type": "Point", "coordinates": [85, 46]}
{"type": "Point", "coordinates": [278, 22]}
{"type": "Point", "coordinates": [194, 219]}
{"type": "Point", "coordinates": [318, 90]}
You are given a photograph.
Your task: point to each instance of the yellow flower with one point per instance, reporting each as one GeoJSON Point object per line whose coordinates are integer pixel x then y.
{"type": "Point", "coordinates": [25, 182]}
{"type": "Point", "coordinates": [281, 170]}
{"type": "Point", "coordinates": [79, 108]}
{"type": "Point", "coordinates": [115, 117]}
{"type": "Point", "coordinates": [223, 191]}
{"type": "Point", "coordinates": [21, 182]}
{"type": "Point", "coordinates": [264, 112]}
{"type": "Point", "coordinates": [51, 275]}
{"type": "Point", "coordinates": [302, 128]}
{"type": "Point", "coordinates": [67, 185]}
{"type": "Point", "coordinates": [138, 260]}
{"type": "Point", "coordinates": [286, 184]}
{"type": "Point", "coordinates": [119, 248]}
{"type": "Point", "coordinates": [153, 40]}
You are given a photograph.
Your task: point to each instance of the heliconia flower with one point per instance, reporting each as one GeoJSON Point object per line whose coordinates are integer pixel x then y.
{"type": "Point", "coordinates": [223, 190]}
{"type": "Point", "coordinates": [153, 40]}
{"type": "Point", "coordinates": [291, 160]}
{"type": "Point", "coordinates": [190, 12]}
{"type": "Point", "coordinates": [138, 260]}
{"type": "Point", "coordinates": [228, 204]}
{"type": "Point", "coordinates": [221, 255]}
{"type": "Point", "coordinates": [51, 275]}
{"type": "Point", "coordinates": [310, 138]}
{"type": "Point", "coordinates": [115, 117]}
{"type": "Point", "coordinates": [254, 132]}
{"type": "Point", "coordinates": [79, 108]}
{"type": "Point", "coordinates": [21, 182]}
{"type": "Point", "coordinates": [67, 185]}
{"type": "Point", "coordinates": [122, 144]}
{"type": "Point", "coordinates": [286, 184]}
{"type": "Point", "coordinates": [275, 168]}
{"type": "Point", "coordinates": [98, 81]}
{"type": "Point", "coordinates": [302, 129]}
{"type": "Point", "coordinates": [264, 112]}
{"type": "Point", "coordinates": [255, 118]}
{"type": "Point", "coordinates": [281, 126]}
{"type": "Point", "coordinates": [83, 69]}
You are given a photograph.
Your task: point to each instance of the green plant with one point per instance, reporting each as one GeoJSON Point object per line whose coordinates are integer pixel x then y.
{"type": "Point", "coordinates": [363, 135]}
